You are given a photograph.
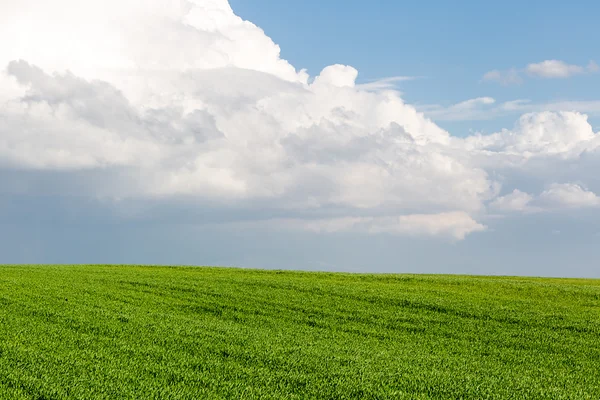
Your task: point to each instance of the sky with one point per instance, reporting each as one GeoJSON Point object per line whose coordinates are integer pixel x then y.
{"type": "Point", "coordinates": [449, 46]}
{"type": "Point", "coordinates": [426, 137]}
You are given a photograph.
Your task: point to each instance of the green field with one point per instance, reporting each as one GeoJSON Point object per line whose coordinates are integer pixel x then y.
{"type": "Point", "coordinates": [100, 332]}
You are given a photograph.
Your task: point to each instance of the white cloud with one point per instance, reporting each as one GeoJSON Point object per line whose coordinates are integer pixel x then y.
{"type": "Point", "coordinates": [548, 69]}
{"type": "Point", "coordinates": [337, 75]}
{"type": "Point", "coordinates": [486, 111]}
{"type": "Point", "coordinates": [555, 197]}
{"type": "Point", "coordinates": [509, 77]}
{"type": "Point", "coordinates": [385, 83]}
{"type": "Point", "coordinates": [188, 101]}
{"type": "Point", "coordinates": [558, 69]}
{"type": "Point", "coordinates": [472, 109]}
{"type": "Point", "coordinates": [515, 201]}
{"type": "Point", "coordinates": [568, 195]}
{"type": "Point", "coordinates": [98, 39]}
{"type": "Point", "coordinates": [456, 225]}
{"type": "Point", "coordinates": [544, 133]}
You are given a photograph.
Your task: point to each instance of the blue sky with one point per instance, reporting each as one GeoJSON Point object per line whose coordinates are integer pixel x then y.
{"type": "Point", "coordinates": [183, 135]}
{"type": "Point", "coordinates": [450, 44]}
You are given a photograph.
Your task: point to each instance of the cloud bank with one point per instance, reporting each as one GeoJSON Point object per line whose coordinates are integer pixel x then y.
{"type": "Point", "coordinates": [183, 101]}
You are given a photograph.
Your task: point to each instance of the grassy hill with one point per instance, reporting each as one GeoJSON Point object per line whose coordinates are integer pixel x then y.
{"type": "Point", "coordinates": [99, 332]}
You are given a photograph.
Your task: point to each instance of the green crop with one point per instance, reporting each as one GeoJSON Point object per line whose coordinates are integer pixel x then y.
{"type": "Point", "coordinates": [132, 332]}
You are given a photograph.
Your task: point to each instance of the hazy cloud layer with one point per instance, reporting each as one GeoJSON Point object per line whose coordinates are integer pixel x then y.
{"type": "Point", "coordinates": [487, 108]}
{"type": "Point", "coordinates": [184, 102]}
{"type": "Point", "coordinates": [508, 77]}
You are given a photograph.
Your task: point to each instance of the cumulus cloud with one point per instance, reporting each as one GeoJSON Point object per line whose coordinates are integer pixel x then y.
{"type": "Point", "coordinates": [569, 195]}
{"type": "Point", "coordinates": [183, 101]}
{"type": "Point", "coordinates": [562, 134]}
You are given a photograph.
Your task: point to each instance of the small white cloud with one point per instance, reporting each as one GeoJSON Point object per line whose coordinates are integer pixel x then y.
{"type": "Point", "coordinates": [547, 69]}
{"type": "Point", "coordinates": [385, 83]}
{"type": "Point", "coordinates": [508, 77]}
{"type": "Point", "coordinates": [470, 104]}
{"type": "Point", "coordinates": [472, 109]}
{"type": "Point", "coordinates": [515, 105]}
{"type": "Point", "coordinates": [554, 69]}
{"type": "Point", "coordinates": [516, 201]}
{"type": "Point", "coordinates": [568, 195]}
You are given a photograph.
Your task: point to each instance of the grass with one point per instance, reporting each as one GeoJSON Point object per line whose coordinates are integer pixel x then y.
{"type": "Point", "coordinates": [102, 332]}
